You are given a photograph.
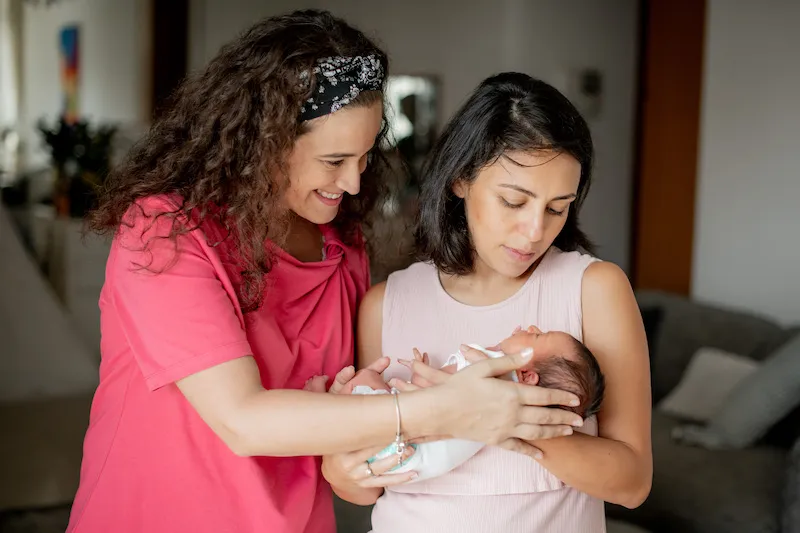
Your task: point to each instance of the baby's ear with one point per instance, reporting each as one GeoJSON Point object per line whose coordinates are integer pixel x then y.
{"type": "Point", "coordinates": [527, 377]}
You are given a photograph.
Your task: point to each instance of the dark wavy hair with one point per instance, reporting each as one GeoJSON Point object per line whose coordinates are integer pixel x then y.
{"type": "Point", "coordinates": [221, 143]}
{"type": "Point", "coordinates": [581, 376]}
{"type": "Point", "coordinates": [507, 112]}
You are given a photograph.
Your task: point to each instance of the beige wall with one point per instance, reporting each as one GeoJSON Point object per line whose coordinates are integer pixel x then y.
{"type": "Point", "coordinates": [747, 225]}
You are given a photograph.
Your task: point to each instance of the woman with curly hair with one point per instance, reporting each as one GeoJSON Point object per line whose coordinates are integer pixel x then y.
{"type": "Point", "coordinates": [236, 269]}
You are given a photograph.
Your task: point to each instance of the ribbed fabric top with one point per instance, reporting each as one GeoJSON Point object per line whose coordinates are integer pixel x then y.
{"type": "Point", "coordinates": [497, 490]}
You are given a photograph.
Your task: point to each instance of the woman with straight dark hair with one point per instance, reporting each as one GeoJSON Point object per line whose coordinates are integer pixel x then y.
{"type": "Point", "coordinates": [230, 296]}
{"type": "Point", "coordinates": [501, 245]}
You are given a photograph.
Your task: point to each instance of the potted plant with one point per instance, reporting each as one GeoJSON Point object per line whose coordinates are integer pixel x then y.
{"type": "Point", "coordinates": [81, 157]}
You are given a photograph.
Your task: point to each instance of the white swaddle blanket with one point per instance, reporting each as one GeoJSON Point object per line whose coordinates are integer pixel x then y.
{"type": "Point", "coordinates": [432, 459]}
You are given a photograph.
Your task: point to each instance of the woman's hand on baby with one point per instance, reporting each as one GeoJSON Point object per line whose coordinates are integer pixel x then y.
{"type": "Point", "coordinates": [348, 470]}
{"type": "Point", "coordinates": [480, 408]}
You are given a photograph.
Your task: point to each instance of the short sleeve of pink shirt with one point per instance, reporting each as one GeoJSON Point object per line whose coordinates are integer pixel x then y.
{"type": "Point", "coordinates": [176, 306]}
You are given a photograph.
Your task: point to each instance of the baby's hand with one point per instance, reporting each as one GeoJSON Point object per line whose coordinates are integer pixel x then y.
{"type": "Point", "coordinates": [316, 384]}
{"type": "Point", "coordinates": [421, 357]}
{"type": "Point", "coordinates": [342, 383]}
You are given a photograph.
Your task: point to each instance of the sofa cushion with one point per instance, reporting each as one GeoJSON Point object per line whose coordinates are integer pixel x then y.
{"type": "Point", "coordinates": [687, 326]}
{"type": "Point", "coordinates": [701, 491]}
{"type": "Point", "coordinates": [756, 404]}
{"type": "Point", "coordinates": [706, 385]}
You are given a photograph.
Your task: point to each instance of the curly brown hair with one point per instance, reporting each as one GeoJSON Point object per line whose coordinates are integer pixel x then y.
{"type": "Point", "coordinates": [221, 144]}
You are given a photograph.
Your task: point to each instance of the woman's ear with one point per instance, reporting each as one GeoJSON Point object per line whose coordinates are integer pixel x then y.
{"type": "Point", "coordinates": [460, 188]}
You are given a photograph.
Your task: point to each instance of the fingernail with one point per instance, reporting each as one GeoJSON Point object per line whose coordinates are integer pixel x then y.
{"type": "Point", "coordinates": [414, 475]}
{"type": "Point", "coordinates": [575, 403]}
{"type": "Point", "coordinates": [404, 362]}
{"type": "Point", "coordinates": [567, 431]}
{"type": "Point", "coordinates": [578, 423]}
{"type": "Point", "coordinates": [538, 455]}
{"type": "Point", "coordinates": [526, 354]}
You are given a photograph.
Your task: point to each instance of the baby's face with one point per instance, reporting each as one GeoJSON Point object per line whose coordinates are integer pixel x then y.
{"type": "Point", "coordinates": [560, 362]}
{"type": "Point", "coordinates": [545, 345]}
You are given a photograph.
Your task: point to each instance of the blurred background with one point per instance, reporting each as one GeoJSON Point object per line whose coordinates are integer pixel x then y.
{"type": "Point", "coordinates": [694, 107]}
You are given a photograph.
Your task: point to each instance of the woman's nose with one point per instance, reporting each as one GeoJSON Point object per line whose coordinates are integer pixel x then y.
{"type": "Point", "coordinates": [534, 228]}
{"type": "Point", "coordinates": [350, 181]}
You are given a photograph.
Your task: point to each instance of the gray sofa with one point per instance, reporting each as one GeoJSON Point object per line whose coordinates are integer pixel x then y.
{"type": "Point", "coordinates": [702, 490]}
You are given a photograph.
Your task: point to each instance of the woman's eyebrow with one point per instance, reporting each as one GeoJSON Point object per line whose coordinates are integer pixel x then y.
{"type": "Point", "coordinates": [533, 194]}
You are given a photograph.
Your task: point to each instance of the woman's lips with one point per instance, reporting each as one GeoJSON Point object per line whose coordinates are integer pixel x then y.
{"type": "Point", "coordinates": [518, 255]}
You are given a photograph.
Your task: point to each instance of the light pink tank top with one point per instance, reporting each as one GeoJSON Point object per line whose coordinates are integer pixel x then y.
{"type": "Point", "coordinates": [497, 490]}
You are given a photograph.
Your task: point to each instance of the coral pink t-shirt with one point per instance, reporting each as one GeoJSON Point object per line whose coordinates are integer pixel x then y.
{"type": "Point", "coordinates": [150, 463]}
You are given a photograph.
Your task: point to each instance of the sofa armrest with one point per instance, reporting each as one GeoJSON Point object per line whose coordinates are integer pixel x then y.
{"type": "Point", "coordinates": [791, 491]}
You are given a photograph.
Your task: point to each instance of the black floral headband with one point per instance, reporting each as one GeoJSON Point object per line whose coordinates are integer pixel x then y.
{"type": "Point", "coordinates": [339, 81]}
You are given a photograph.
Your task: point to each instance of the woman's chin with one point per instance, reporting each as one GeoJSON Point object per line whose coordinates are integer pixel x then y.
{"type": "Point", "coordinates": [325, 215]}
{"type": "Point", "coordinates": [515, 270]}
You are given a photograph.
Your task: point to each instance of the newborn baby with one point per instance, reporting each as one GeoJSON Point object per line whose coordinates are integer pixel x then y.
{"type": "Point", "coordinates": [559, 361]}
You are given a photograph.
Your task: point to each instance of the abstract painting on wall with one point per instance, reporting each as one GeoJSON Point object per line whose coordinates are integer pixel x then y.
{"type": "Point", "coordinates": [69, 52]}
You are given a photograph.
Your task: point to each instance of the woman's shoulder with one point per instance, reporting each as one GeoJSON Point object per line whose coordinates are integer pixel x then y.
{"type": "Point", "coordinates": [593, 271]}
{"type": "Point", "coordinates": [603, 279]}
{"type": "Point", "coordinates": [160, 215]}
{"type": "Point", "coordinates": [414, 274]}
{"type": "Point", "coordinates": [157, 232]}
{"type": "Point", "coordinates": [558, 259]}
{"type": "Point", "coordinates": [403, 281]}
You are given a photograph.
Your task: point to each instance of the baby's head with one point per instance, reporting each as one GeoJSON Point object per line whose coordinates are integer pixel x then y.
{"type": "Point", "coordinates": [561, 362]}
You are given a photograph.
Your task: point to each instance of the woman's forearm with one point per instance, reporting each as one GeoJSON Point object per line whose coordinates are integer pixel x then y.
{"type": "Point", "coordinates": [606, 469]}
{"type": "Point", "coordinates": [295, 423]}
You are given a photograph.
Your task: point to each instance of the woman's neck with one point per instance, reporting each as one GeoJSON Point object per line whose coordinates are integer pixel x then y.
{"type": "Point", "coordinates": [484, 286]}
{"type": "Point", "coordinates": [304, 241]}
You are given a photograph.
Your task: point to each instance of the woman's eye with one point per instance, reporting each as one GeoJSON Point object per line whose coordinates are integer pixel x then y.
{"type": "Point", "coordinates": [334, 164]}
{"type": "Point", "coordinates": [556, 213]}
{"type": "Point", "coordinates": [509, 204]}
